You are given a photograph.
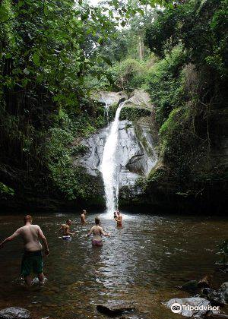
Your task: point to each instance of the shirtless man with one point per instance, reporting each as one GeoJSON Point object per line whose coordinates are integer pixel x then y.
{"type": "Point", "coordinates": [119, 220]}
{"type": "Point", "coordinates": [65, 229]}
{"type": "Point", "coordinates": [97, 232]}
{"type": "Point", "coordinates": [83, 217]}
{"type": "Point", "coordinates": [32, 260]}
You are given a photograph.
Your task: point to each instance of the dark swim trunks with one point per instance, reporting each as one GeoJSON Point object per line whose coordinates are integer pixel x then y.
{"type": "Point", "coordinates": [32, 261]}
{"type": "Point", "coordinates": [66, 237]}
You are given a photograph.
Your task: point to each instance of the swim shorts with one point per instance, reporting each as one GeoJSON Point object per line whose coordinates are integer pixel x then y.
{"type": "Point", "coordinates": [32, 261]}
{"type": "Point", "coordinates": [66, 237]}
{"type": "Point", "coordinates": [97, 242]}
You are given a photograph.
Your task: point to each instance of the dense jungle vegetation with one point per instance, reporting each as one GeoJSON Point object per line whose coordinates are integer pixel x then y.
{"type": "Point", "coordinates": [54, 54]}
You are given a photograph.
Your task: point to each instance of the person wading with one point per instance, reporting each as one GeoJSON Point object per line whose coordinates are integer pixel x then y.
{"type": "Point", "coordinates": [83, 217]}
{"type": "Point", "coordinates": [97, 232]}
{"type": "Point", "coordinates": [65, 229]}
{"type": "Point", "coordinates": [32, 260]}
{"type": "Point", "coordinates": [119, 220]}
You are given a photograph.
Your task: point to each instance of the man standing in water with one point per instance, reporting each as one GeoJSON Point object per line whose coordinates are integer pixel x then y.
{"type": "Point", "coordinates": [97, 232]}
{"type": "Point", "coordinates": [83, 217]}
{"type": "Point", "coordinates": [119, 219]}
{"type": "Point", "coordinates": [32, 260]}
{"type": "Point", "coordinates": [65, 228]}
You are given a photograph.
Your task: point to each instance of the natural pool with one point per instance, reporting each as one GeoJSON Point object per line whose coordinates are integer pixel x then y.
{"type": "Point", "coordinates": [141, 263]}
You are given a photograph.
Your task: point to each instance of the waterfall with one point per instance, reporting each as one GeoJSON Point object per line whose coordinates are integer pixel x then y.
{"type": "Point", "coordinates": [109, 166]}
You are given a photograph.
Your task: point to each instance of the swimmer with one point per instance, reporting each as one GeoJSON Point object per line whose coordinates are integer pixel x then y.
{"type": "Point", "coordinates": [32, 260]}
{"type": "Point", "coordinates": [97, 232]}
{"type": "Point", "coordinates": [65, 229]}
{"type": "Point", "coordinates": [119, 219]}
{"type": "Point", "coordinates": [83, 217]}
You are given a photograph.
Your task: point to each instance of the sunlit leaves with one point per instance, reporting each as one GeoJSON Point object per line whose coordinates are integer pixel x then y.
{"type": "Point", "coordinates": [36, 59]}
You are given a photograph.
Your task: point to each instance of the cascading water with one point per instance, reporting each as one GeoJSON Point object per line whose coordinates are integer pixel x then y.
{"type": "Point", "coordinates": [109, 166]}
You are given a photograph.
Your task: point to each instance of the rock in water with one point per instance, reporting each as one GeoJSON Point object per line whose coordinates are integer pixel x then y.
{"type": "Point", "coordinates": [114, 310]}
{"type": "Point", "coordinates": [224, 291]}
{"type": "Point", "coordinates": [191, 285]}
{"type": "Point", "coordinates": [218, 297]}
{"type": "Point", "coordinates": [185, 306]}
{"type": "Point", "coordinates": [15, 313]}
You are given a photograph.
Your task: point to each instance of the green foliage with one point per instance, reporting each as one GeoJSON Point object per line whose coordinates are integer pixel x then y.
{"type": "Point", "coordinates": [4, 189]}
{"type": "Point", "coordinates": [187, 83]}
{"type": "Point", "coordinates": [47, 53]}
{"type": "Point", "coordinates": [165, 84]}
{"type": "Point", "coordinates": [130, 74]}
{"type": "Point", "coordinates": [200, 26]}
{"type": "Point", "coordinates": [132, 114]}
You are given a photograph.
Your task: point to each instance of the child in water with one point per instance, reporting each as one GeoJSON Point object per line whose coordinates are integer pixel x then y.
{"type": "Point", "coordinates": [97, 232]}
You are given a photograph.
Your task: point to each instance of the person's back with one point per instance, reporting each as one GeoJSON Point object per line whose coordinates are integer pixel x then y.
{"type": "Point", "coordinates": [30, 236]}
{"type": "Point", "coordinates": [97, 232]}
{"type": "Point", "coordinates": [83, 217]}
{"type": "Point", "coordinates": [65, 229]}
{"type": "Point", "coordinates": [32, 260]}
{"type": "Point", "coordinates": [119, 220]}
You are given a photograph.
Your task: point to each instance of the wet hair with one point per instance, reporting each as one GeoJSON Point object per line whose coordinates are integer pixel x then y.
{"type": "Point", "coordinates": [27, 218]}
{"type": "Point", "coordinates": [68, 221]}
{"type": "Point", "coordinates": [97, 220]}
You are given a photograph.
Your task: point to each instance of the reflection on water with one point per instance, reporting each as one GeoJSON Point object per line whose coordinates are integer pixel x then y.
{"type": "Point", "coordinates": [142, 263]}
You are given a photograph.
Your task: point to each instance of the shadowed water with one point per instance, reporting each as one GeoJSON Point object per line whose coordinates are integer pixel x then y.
{"type": "Point", "coordinates": [141, 263]}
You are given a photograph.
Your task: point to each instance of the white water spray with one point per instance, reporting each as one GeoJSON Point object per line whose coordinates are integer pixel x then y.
{"type": "Point", "coordinates": [109, 167]}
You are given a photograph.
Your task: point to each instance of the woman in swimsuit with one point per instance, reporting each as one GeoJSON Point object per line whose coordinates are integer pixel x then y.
{"type": "Point", "coordinates": [97, 232]}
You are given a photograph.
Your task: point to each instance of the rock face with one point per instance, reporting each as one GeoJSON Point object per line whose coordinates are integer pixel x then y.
{"type": "Point", "coordinates": [135, 155]}
{"type": "Point", "coordinates": [109, 98]}
{"type": "Point", "coordinates": [15, 313]}
{"type": "Point", "coordinates": [140, 98]}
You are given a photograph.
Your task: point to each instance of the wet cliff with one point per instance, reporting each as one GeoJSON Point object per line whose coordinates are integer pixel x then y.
{"type": "Point", "coordinates": [136, 152]}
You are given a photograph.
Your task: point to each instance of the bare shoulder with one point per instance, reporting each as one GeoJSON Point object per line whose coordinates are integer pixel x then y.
{"type": "Point", "coordinates": [20, 230]}
{"type": "Point", "coordinates": [36, 226]}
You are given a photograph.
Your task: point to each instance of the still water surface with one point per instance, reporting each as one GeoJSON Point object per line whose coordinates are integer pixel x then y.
{"type": "Point", "coordinates": [141, 263]}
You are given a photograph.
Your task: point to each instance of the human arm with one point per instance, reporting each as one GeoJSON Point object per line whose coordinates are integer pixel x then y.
{"type": "Point", "coordinates": [10, 238]}
{"type": "Point", "coordinates": [44, 240]}
{"type": "Point", "coordinates": [68, 232]}
{"type": "Point", "coordinates": [104, 233]}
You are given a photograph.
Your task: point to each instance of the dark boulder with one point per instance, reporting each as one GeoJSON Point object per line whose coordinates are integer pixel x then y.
{"type": "Point", "coordinates": [115, 310]}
